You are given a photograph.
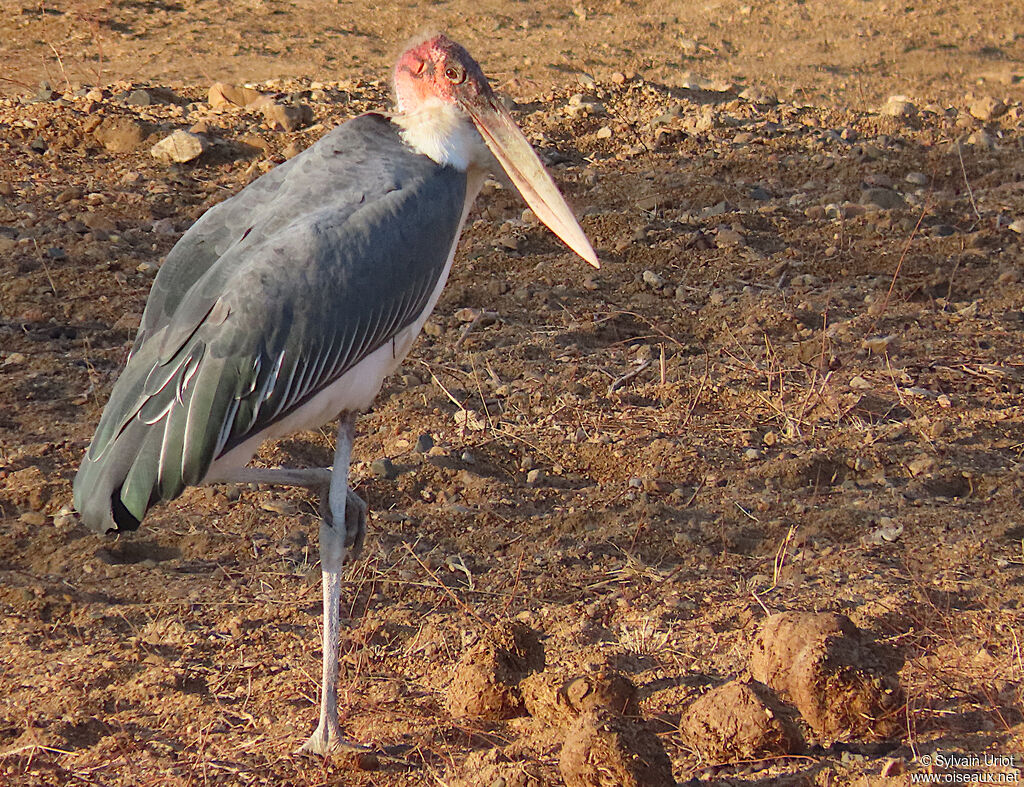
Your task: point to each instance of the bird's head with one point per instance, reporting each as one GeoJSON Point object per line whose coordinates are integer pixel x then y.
{"type": "Point", "coordinates": [438, 87]}
{"type": "Point", "coordinates": [438, 69]}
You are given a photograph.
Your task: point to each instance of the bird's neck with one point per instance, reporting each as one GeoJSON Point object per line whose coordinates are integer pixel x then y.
{"type": "Point", "coordinates": [444, 133]}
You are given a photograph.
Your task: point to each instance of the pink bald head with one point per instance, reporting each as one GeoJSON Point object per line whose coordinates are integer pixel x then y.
{"type": "Point", "coordinates": [438, 68]}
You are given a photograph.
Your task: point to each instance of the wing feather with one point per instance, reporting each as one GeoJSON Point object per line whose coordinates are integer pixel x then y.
{"type": "Point", "coordinates": [337, 254]}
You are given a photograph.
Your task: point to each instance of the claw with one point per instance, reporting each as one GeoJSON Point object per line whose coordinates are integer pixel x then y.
{"type": "Point", "coordinates": [327, 739]}
{"type": "Point", "coordinates": [355, 525]}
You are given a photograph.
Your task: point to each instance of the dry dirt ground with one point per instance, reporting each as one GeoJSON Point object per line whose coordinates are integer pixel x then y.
{"type": "Point", "coordinates": [794, 386]}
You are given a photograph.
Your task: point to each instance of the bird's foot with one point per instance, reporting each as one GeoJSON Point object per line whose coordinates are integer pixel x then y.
{"type": "Point", "coordinates": [327, 739]}
{"type": "Point", "coordinates": [355, 523]}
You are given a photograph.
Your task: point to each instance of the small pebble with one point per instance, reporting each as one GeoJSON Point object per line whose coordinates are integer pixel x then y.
{"type": "Point", "coordinates": [384, 468]}
{"type": "Point", "coordinates": [987, 108]}
{"type": "Point", "coordinates": [423, 443]}
{"type": "Point", "coordinates": [179, 147]}
{"type": "Point", "coordinates": [899, 106]}
{"type": "Point", "coordinates": [653, 280]}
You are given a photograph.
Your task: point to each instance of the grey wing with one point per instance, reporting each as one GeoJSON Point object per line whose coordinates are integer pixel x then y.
{"type": "Point", "coordinates": [263, 330]}
{"type": "Point", "coordinates": [264, 206]}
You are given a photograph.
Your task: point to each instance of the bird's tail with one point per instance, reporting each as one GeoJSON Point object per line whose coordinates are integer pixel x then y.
{"type": "Point", "coordinates": [158, 434]}
{"type": "Point", "coordinates": [103, 498]}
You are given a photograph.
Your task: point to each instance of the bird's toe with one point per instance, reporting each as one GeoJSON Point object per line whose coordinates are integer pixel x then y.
{"type": "Point", "coordinates": [327, 740]}
{"type": "Point", "coordinates": [355, 524]}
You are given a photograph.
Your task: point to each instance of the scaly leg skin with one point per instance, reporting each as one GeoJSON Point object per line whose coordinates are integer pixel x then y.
{"type": "Point", "coordinates": [335, 540]}
{"type": "Point", "coordinates": [342, 532]}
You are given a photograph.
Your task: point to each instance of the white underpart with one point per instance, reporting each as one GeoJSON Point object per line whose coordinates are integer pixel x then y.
{"type": "Point", "coordinates": [444, 133]}
{"type": "Point", "coordinates": [356, 388]}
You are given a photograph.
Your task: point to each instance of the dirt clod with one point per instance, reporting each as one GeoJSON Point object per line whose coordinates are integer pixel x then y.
{"type": "Point", "coordinates": [603, 749]}
{"type": "Point", "coordinates": [843, 682]}
{"type": "Point", "coordinates": [739, 721]}
{"type": "Point", "coordinates": [486, 681]}
{"type": "Point", "coordinates": [556, 700]}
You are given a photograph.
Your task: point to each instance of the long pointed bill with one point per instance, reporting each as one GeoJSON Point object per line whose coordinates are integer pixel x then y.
{"type": "Point", "coordinates": [517, 158]}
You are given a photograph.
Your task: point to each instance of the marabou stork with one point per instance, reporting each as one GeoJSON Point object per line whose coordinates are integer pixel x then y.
{"type": "Point", "coordinates": [287, 305]}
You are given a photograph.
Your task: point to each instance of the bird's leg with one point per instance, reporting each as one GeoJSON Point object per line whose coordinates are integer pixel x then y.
{"type": "Point", "coordinates": [318, 478]}
{"type": "Point", "coordinates": [334, 542]}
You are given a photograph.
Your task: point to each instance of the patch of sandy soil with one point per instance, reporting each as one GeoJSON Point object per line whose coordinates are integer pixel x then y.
{"type": "Point", "coordinates": [794, 387]}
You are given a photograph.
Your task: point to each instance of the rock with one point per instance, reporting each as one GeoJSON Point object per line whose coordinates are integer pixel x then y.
{"type": "Point", "coordinates": [283, 117]}
{"type": "Point", "coordinates": [739, 721]}
{"type": "Point", "coordinates": [69, 194]}
{"type": "Point", "coordinates": [179, 147]}
{"type": "Point", "coordinates": [470, 419]}
{"type": "Point", "coordinates": [693, 81]}
{"type": "Point", "coordinates": [888, 532]}
{"type": "Point", "coordinates": [918, 179]}
{"type": "Point", "coordinates": [981, 139]}
{"type": "Point", "coordinates": [879, 345]}
{"type": "Point", "coordinates": [45, 92]}
{"type": "Point", "coordinates": [1017, 226]}
{"type": "Point", "coordinates": [879, 179]}
{"type": "Point", "coordinates": [122, 134]}
{"type": "Point", "coordinates": [718, 209]}
{"type": "Point", "coordinates": [486, 681]}
{"type": "Point", "coordinates": [886, 199]}
{"type": "Point", "coordinates": [423, 443]}
{"type": "Point", "coordinates": [581, 105]}
{"type": "Point", "coordinates": [759, 95]}
{"type": "Point", "coordinates": [987, 108]}
{"type": "Point", "coordinates": [899, 107]}
{"type": "Point", "coordinates": [139, 98]}
{"type": "Point", "coordinates": [922, 465]}
{"type": "Point", "coordinates": [535, 477]}
{"type": "Point", "coordinates": [760, 194]}
{"type": "Point", "coordinates": [603, 749]}
{"type": "Point", "coordinates": [653, 280]}
{"type": "Point", "coordinates": [604, 132]}
{"type": "Point", "coordinates": [222, 94]}
{"type": "Point", "coordinates": [98, 222]}
{"type": "Point", "coordinates": [384, 468]}
{"type": "Point", "coordinates": [844, 684]}
{"type": "Point", "coordinates": [729, 237]}
{"type": "Point", "coordinates": [33, 518]}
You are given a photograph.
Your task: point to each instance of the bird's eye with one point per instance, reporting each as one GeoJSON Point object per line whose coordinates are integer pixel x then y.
{"type": "Point", "coordinates": [456, 74]}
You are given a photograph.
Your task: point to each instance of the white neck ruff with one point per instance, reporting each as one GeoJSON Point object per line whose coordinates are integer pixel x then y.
{"type": "Point", "coordinates": [444, 133]}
